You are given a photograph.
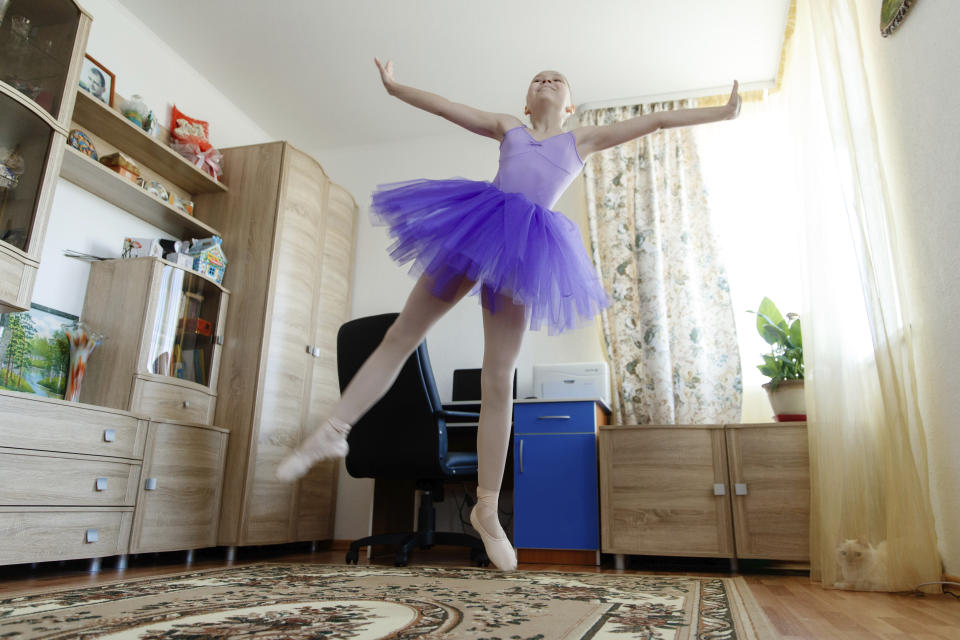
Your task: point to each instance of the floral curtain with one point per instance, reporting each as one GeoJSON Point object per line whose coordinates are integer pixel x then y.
{"type": "Point", "coordinates": [669, 333]}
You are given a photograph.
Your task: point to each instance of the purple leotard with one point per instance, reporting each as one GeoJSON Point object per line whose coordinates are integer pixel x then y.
{"type": "Point", "coordinates": [539, 169]}
{"type": "Point", "coordinates": [500, 234]}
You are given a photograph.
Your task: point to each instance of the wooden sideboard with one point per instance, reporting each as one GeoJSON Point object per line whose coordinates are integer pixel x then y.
{"type": "Point", "coordinates": [81, 481]}
{"type": "Point", "coordinates": [726, 491]}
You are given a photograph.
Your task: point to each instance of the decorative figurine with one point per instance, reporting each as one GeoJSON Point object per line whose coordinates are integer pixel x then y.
{"type": "Point", "coordinates": [11, 167]}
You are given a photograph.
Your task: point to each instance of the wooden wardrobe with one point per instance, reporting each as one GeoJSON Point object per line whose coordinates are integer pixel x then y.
{"type": "Point", "coordinates": [289, 235]}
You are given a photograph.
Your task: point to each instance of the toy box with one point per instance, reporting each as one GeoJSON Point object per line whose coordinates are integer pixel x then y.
{"type": "Point", "coordinates": [208, 258]}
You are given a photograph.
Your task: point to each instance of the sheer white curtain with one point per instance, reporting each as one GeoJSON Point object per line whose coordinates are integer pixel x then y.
{"type": "Point", "coordinates": [749, 173]}
{"type": "Point", "coordinates": [872, 524]}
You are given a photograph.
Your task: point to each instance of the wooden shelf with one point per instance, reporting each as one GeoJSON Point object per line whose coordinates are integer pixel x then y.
{"type": "Point", "coordinates": [101, 181]}
{"type": "Point", "coordinates": [110, 125]}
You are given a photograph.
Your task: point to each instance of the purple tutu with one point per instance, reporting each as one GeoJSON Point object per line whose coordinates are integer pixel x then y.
{"type": "Point", "coordinates": [504, 242]}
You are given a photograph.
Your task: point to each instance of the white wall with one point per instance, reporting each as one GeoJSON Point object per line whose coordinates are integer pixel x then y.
{"type": "Point", "coordinates": [913, 81]}
{"type": "Point", "coordinates": [380, 286]}
{"type": "Point", "coordinates": [143, 64]}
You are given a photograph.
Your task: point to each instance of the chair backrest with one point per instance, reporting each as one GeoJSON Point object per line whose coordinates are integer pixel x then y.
{"type": "Point", "coordinates": [401, 436]}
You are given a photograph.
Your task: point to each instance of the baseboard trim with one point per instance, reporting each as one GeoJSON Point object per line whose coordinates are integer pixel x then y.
{"type": "Point", "coordinates": [340, 545]}
{"type": "Point", "coordinates": [558, 556]}
{"type": "Point", "coordinates": [949, 578]}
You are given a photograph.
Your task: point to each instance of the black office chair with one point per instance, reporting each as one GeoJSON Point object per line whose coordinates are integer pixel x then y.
{"type": "Point", "coordinates": [404, 436]}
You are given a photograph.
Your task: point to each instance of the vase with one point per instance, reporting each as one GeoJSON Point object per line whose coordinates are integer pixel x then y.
{"type": "Point", "coordinates": [83, 341]}
{"type": "Point", "coordinates": [787, 401]}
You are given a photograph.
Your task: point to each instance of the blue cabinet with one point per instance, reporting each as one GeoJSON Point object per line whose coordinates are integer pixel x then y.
{"type": "Point", "coordinates": [555, 492]}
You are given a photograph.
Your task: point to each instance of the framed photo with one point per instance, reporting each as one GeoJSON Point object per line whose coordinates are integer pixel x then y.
{"type": "Point", "coordinates": [97, 80]}
{"type": "Point", "coordinates": [34, 353]}
{"type": "Point", "coordinates": [892, 13]}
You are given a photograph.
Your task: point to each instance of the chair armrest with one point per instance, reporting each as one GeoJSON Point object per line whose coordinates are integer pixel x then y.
{"type": "Point", "coordinates": [443, 413]}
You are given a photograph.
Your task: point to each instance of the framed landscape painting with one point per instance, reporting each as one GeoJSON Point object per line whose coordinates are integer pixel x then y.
{"type": "Point", "coordinates": [34, 353]}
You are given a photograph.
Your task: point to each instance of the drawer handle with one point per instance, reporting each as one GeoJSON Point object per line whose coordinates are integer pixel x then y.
{"type": "Point", "coordinates": [101, 484]}
{"type": "Point", "coordinates": [109, 435]}
{"type": "Point", "coordinates": [92, 535]}
{"type": "Point", "coordinates": [553, 418]}
{"type": "Point", "coordinates": [521, 455]}
{"type": "Point", "coordinates": [740, 488]}
{"type": "Point", "coordinates": [719, 489]}
{"type": "Point", "coordinates": [186, 404]}
{"type": "Point", "coordinates": [218, 340]}
{"type": "Point", "coordinates": [150, 484]}
{"type": "Point", "coordinates": [313, 350]}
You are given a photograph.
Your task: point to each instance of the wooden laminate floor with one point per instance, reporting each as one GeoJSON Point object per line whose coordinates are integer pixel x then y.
{"type": "Point", "coordinates": [796, 607]}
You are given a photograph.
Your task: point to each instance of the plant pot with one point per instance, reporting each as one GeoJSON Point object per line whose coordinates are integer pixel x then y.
{"type": "Point", "coordinates": [787, 401]}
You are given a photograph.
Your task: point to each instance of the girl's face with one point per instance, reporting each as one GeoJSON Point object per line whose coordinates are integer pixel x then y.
{"type": "Point", "coordinates": [550, 88]}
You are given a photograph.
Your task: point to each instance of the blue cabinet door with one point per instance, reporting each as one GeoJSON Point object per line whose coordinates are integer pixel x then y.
{"type": "Point", "coordinates": [555, 501]}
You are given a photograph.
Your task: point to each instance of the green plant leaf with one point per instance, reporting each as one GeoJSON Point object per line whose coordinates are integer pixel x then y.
{"type": "Point", "coordinates": [795, 335]}
{"type": "Point", "coordinates": [769, 309]}
{"type": "Point", "coordinates": [770, 331]}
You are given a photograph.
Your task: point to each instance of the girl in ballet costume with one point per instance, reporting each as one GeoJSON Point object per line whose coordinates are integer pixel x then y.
{"type": "Point", "coordinates": [499, 239]}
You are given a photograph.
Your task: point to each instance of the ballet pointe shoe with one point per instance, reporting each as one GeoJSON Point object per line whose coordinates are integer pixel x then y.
{"type": "Point", "coordinates": [498, 547]}
{"type": "Point", "coordinates": [329, 441]}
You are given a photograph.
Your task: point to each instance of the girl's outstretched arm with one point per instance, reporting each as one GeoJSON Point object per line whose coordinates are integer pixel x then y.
{"type": "Point", "coordinates": [590, 139]}
{"type": "Point", "coordinates": [492, 125]}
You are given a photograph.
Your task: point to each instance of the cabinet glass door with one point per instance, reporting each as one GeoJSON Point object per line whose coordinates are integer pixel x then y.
{"type": "Point", "coordinates": [36, 44]}
{"type": "Point", "coordinates": [185, 328]}
{"type": "Point", "coordinates": [25, 141]}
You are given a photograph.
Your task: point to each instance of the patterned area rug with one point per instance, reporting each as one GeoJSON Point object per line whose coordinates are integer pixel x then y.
{"type": "Point", "coordinates": [299, 601]}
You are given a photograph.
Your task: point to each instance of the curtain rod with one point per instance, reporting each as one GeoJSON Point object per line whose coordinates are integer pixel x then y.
{"type": "Point", "coordinates": [762, 85]}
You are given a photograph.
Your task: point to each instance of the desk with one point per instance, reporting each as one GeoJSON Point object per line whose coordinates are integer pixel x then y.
{"type": "Point", "coordinates": [556, 511]}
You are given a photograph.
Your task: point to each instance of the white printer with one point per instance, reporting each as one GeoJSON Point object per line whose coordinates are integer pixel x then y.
{"type": "Point", "coordinates": [572, 380]}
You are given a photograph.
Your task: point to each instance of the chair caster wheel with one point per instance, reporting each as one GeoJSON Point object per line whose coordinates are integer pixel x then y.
{"type": "Point", "coordinates": [400, 562]}
{"type": "Point", "coordinates": [480, 557]}
{"type": "Point", "coordinates": [353, 557]}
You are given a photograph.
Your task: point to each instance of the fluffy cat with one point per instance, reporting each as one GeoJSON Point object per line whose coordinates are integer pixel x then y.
{"type": "Point", "coordinates": [862, 565]}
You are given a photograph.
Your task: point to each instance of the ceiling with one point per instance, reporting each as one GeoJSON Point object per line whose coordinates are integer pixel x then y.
{"type": "Point", "coordinates": [303, 69]}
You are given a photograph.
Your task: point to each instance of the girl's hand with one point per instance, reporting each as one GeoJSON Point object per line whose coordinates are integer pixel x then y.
{"type": "Point", "coordinates": [386, 74]}
{"type": "Point", "coordinates": [733, 105]}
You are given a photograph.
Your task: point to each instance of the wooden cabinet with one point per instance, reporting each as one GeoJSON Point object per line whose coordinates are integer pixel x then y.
{"type": "Point", "coordinates": [68, 478]}
{"type": "Point", "coordinates": [663, 491]}
{"type": "Point", "coordinates": [41, 50]}
{"type": "Point", "coordinates": [705, 490]}
{"type": "Point", "coordinates": [179, 500]}
{"type": "Point", "coordinates": [164, 326]}
{"type": "Point", "coordinates": [291, 292]}
{"type": "Point", "coordinates": [770, 476]}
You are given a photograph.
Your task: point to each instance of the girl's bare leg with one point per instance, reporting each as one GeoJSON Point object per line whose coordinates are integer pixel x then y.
{"type": "Point", "coordinates": [503, 336]}
{"type": "Point", "coordinates": [420, 312]}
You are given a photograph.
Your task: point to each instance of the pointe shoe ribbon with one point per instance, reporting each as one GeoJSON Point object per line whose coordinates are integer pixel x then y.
{"type": "Point", "coordinates": [499, 550]}
{"type": "Point", "coordinates": [329, 441]}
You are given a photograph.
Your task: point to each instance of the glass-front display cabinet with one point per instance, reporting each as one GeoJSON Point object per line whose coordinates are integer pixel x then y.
{"type": "Point", "coordinates": [164, 326]}
{"type": "Point", "coordinates": [42, 44]}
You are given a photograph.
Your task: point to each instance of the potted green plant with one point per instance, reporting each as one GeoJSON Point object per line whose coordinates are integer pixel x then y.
{"type": "Point", "coordinates": [784, 364]}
